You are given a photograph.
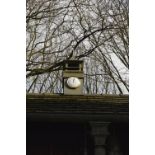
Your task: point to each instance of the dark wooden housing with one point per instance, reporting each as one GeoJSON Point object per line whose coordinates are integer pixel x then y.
{"type": "Point", "coordinates": [77, 124]}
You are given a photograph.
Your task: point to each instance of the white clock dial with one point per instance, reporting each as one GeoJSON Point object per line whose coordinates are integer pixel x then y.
{"type": "Point", "coordinates": [73, 82]}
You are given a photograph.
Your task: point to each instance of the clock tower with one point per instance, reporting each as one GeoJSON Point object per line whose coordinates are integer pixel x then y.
{"type": "Point", "coordinates": [73, 77]}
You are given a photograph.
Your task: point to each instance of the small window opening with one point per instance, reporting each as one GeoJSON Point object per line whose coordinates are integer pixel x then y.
{"type": "Point", "coordinates": [73, 66]}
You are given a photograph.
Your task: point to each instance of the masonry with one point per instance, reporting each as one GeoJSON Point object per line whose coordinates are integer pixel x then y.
{"type": "Point", "coordinates": [60, 124]}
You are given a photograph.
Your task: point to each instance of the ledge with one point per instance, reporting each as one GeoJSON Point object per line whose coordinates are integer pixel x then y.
{"type": "Point", "coordinates": [80, 98]}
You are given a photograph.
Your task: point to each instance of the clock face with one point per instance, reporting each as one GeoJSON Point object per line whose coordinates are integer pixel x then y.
{"type": "Point", "coordinates": [73, 82]}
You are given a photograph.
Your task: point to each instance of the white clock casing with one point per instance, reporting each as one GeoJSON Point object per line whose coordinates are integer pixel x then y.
{"type": "Point", "coordinates": [73, 82]}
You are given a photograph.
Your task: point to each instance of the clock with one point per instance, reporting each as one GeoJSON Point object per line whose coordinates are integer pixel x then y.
{"type": "Point", "coordinates": [73, 82]}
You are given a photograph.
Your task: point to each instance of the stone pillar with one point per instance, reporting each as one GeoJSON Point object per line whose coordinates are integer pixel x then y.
{"type": "Point", "coordinates": [100, 132]}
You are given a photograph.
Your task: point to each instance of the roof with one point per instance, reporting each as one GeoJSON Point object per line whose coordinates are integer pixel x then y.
{"type": "Point", "coordinates": [78, 107]}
